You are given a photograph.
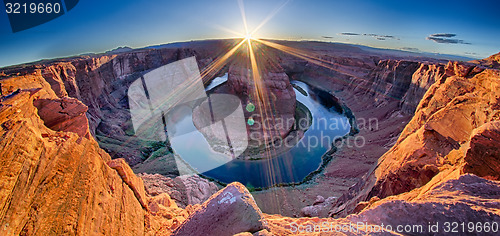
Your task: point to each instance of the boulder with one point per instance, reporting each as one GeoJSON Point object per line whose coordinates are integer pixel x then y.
{"type": "Point", "coordinates": [184, 190]}
{"type": "Point", "coordinates": [230, 211]}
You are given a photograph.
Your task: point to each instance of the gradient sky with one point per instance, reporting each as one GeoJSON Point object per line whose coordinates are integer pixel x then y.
{"type": "Point", "coordinates": [98, 26]}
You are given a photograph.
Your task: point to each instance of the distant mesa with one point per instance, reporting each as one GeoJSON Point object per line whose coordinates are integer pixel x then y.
{"type": "Point", "coordinates": [119, 50]}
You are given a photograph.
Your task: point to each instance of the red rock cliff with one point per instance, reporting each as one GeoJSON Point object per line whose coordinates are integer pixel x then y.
{"type": "Point", "coordinates": [454, 126]}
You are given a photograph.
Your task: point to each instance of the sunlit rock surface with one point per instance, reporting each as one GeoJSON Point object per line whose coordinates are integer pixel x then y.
{"type": "Point", "coordinates": [440, 131]}
{"type": "Point", "coordinates": [230, 211]}
{"type": "Point", "coordinates": [61, 182]}
{"type": "Point", "coordinates": [58, 182]}
{"type": "Point", "coordinates": [185, 190]}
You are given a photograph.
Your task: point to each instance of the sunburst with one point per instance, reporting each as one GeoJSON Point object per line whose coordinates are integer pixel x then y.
{"type": "Point", "coordinates": [248, 37]}
{"type": "Point", "coordinates": [260, 95]}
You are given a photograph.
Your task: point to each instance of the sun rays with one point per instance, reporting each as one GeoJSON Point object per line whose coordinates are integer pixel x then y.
{"type": "Point", "coordinates": [260, 58]}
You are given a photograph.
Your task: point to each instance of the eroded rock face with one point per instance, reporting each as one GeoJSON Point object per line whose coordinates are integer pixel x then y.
{"type": "Point", "coordinates": [392, 78]}
{"type": "Point", "coordinates": [64, 114]}
{"type": "Point", "coordinates": [57, 182]}
{"type": "Point", "coordinates": [185, 190]}
{"type": "Point", "coordinates": [379, 83]}
{"type": "Point", "coordinates": [135, 183]}
{"type": "Point", "coordinates": [440, 131]}
{"type": "Point", "coordinates": [462, 69]}
{"type": "Point", "coordinates": [483, 156]}
{"type": "Point", "coordinates": [101, 83]}
{"type": "Point", "coordinates": [276, 91]}
{"type": "Point", "coordinates": [230, 211]}
{"type": "Point", "coordinates": [426, 75]}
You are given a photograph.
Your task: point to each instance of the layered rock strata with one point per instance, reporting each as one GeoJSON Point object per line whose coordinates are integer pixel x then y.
{"type": "Point", "coordinates": [273, 98]}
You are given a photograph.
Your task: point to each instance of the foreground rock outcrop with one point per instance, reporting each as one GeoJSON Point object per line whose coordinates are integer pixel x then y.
{"type": "Point", "coordinates": [59, 182]}
{"type": "Point", "coordinates": [185, 190]}
{"type": "Point", "coordinates": [229, 211]}
{"type": "Point", "coordinates": [451, 197]}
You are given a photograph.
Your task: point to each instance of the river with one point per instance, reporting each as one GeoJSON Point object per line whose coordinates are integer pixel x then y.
{"type": "Point", "coordinates": [289, 167]}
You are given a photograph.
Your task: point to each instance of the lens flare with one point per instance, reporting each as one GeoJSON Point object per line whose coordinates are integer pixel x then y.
{"type": "Point", "coordinates": [248, 37]}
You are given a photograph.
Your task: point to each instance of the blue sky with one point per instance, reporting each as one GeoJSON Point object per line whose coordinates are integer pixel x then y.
{"type": "Point", "coordinates": [473, 27]}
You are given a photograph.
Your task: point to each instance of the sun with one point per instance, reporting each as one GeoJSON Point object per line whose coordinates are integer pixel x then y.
{"type": "Point", "coordinates": [248, 37]}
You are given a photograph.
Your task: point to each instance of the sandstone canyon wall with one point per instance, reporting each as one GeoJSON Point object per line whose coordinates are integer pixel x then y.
{"type": "Point", "coordinates": [57, 181]}
{"type": "Point", "coordinates": [453, 130]}
{"type": "Point", "coordinates": [101, 83]}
